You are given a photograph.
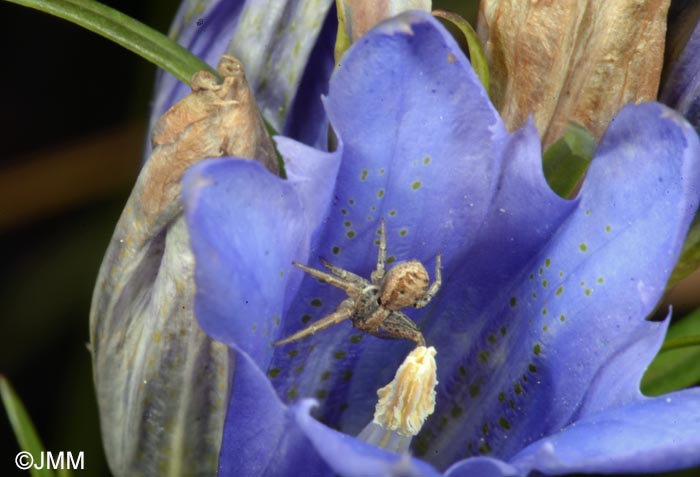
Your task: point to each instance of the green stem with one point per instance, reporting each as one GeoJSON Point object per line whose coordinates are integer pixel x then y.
{"type": "Point", "coordinates": [127, 32]}
{"type": "Point", "coordinates": [681, 342]}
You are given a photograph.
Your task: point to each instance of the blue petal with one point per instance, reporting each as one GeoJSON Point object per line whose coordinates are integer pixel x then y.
{"type": "Point", "coordinates": [482, 467]}
{"type": "Point", "coordinates": [236, 213]}
{"type": "Point", "coordinates": [261, 437]}
{"type": "Point", "coordinates": [350, 457]}
{"type": "Point", "coordinates": [421, 146]}
{"type": "Point", "coordinates": [571, 318]}
{"type": "Point", "coordinates": [652, 435]}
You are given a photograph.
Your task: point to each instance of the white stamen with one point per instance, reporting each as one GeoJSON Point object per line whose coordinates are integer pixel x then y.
{"type": "Point", "coordinates": [405, 403]}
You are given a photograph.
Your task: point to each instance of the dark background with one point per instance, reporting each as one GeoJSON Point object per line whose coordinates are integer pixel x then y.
{"type": "Point", "coordinates": [73, 114]}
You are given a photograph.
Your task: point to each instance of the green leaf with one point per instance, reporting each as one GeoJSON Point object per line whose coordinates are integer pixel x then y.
{"type": "Point", "coordinates": [566, 161]}
{"type": "Point", "coordinates": [689, 260]}
{"type": "Point", "coordinates": [127, 32]}
{"type": "Point", "coordinates": [22, 426]}
{"type": "Point", "coordinates": [677, 365]}
{"type": "Point", "coordinates": [477, 55]}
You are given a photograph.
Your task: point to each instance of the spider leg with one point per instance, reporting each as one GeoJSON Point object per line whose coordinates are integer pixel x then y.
{"type": "Point", "coordinates": [344, 274]}
{"type": "Point", "coordinates": [399, 326]}
{"type": "Point", "coordinates": [434, 287]}
{"type": "Point", "coordinates": [347, 286]}
{"type": "Point", "coordinates": [342, 313]}
{"type": "Point", "coordinates": [378, 274]}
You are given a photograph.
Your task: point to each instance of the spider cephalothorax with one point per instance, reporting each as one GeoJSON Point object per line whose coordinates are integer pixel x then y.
{"type": "Point", "coordinates": [374, 305]}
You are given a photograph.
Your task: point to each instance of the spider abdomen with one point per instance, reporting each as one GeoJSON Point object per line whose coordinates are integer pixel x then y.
{"type": "Point", "coordinates": [404, 285]}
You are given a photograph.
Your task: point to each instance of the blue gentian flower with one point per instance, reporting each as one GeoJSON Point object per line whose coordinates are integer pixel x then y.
{"type": "Point", "coordinates": [540, 324]}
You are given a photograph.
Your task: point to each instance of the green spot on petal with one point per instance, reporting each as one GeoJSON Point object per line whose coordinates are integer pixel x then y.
{"type": "Point", "coordinates": [316, 302]}
{"type": "Point", "coordinates": [364, 175]}
{"type": "Point", "coordinates": [321, 394]}
{"type": "Point", "coordinates": [588, 291]}
{"type": "Point", "coordinates": [351, 201]}
{"type": "Point", "coordinates": [426, 160]}
{"type": "Point", "coordinates": [492, 339]}
{"type": "Point", "coordinates": [336, 250]}
{"type": "Point", "coordinates": [537, 349]}
{"type": "Point", "coordinates": [547, 262]}
{"type": "Point", "coordinates": [501, 396]}
{"type": "Point", "coordinates": [559, 291]}
{"type": "Point", "coordinates": [608, 228]}
{"type": "Point", "coordinates": [503, 330]}
{"type": "Point", "coordinates": [474, 390]}
{"type": "Point", "coordinates": [518, 389]}
{"type": "Point", "coordinates": [513, 301]}
{"type": "Point", "coordinates": [339, 354]}
{"type": "Point", "coordinates": [347, 375]}
{"type": "Point", "coordinates": [484, 356]}
{"type": "Point", "coordinates": [392, 213]}
{"type": "Point", "coordinates": [299, 369]}
{"type": "Point", "coordinates": [456, 411]}
{"type": "Point", "coordinates": [380, 193]}
{"type": "Point", "coordinates": [484, 448]}
{"type": "Point", "coordinates": [305, 318]}
{"type": "Point", "coordinates": [544, 312]}
{"type": "Point", "coordinates": [292, 393]}
{"type": "Point", "coordinates": [293, 353]}
{"type": "Point", "coordinates": [562, 318]}
{"type": "Point", "coordinates": [416, 185]}
{"type": "Point", "coordinates": [344, 211]}
{"type": "Point", "coordinates": [545, 283]}
{"type": "Point", "coordinates": [583, 247]}
{"type": "Point", "coordinates": [390, 259]}
{"type": "Point", "coordinates": [600, 280]}
{"type": "Point", "coordinates": [503, 422]}
{"type": "Point", "coordinates": [350, 234]}
{"type": "Point", "coordinates": [403, 232]}
{"type": "Point", "coordinates": [325, 375]}
{"type": "Point", "coordinates": [463, 371]}
{"type": "Point", "coordinates": [274, 372]}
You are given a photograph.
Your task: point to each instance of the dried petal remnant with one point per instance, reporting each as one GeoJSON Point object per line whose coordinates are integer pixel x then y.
{"type": "Point", "coordinates": [406, 402]}
{"type": "Point", "coordinates": [571, 61]}
{"type": "Point", "coordinates": [217, 119]}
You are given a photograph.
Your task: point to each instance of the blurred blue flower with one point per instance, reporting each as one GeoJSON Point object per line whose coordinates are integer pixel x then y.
{"type": "Point", "coordinates": [681, 90]}
{"type": "Point", "coordinates": [540, 325]}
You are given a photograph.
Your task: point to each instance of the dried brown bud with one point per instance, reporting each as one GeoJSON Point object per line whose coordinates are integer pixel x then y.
{"type": "Point", "coordinates": [362, 15]}
{"type": "Point", "coordinates": [571, 60]}
{"type": "Point", "coordinates": [217, 119]}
